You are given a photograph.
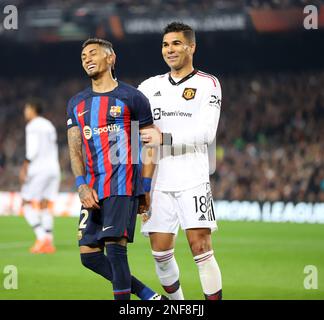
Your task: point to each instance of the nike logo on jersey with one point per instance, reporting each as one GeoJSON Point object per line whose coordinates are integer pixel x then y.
{"type": "Point", "coordinates": [106, 228]}
{"type": "Point", "coordinates": [80, 114]}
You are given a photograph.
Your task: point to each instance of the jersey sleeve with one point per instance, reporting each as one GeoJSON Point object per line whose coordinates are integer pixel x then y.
{"type": "Point", "coordinates": [71, 120]}
{"type": "Point", "coordinates": [141, 110]}
{"type": "Point", "coordinates": [205, 131]}
{"type": "Point", "coordinates": [144, 87]}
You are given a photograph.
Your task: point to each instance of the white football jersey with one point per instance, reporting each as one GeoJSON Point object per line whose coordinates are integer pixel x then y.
{"type": "Point", "coordinates": [188, 109]}
{"type": "Point", "coordinates": [41, 148]}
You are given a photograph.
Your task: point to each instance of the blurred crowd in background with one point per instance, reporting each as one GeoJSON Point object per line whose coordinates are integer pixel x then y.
{"type": "Point", "coordinates": [270, 142]}
{"type": "Point", "coordinates": [270, 138]}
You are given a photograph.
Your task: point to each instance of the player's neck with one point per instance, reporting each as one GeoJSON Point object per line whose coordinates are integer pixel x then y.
{"type": "Point", "coordinates": [105, 83]}
{"type": "Point", "coordinates": [181, 73]}
{"type": "Point", "coordinates": [30, 119]}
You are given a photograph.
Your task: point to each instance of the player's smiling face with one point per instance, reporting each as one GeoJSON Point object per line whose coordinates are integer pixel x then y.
{"type": "Point", "coordinates": [95, 60]}
{"type": "Point", "coordinates": [177, 51]}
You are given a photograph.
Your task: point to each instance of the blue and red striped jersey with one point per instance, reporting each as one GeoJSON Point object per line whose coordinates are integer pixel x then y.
{"type": "Point", "coordinates": [109, 124]}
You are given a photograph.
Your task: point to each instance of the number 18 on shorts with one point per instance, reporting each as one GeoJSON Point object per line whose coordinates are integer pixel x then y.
{"type": "Point", "coordinates": [191, 208]}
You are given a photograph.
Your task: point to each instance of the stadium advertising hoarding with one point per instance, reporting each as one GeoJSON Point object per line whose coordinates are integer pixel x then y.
{"type": "Point", "coordinates": [68, 204]}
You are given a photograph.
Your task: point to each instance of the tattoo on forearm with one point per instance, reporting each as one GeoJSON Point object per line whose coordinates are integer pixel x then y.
{"type": "Point", "coordinates": [84, 191]}
{"type": "Point", "coordinates": [75, 147]}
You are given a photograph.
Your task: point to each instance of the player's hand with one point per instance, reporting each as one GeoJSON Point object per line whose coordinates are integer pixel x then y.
{"type": "Point", "coordinates": [151, 136]}
{"type": "Point", "coordinates": [144, 206]}
{"type": "Point", "coordinates": [88, 197]}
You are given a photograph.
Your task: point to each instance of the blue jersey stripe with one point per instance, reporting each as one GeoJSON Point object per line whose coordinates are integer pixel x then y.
{"type": "Point", "coordinates": [76, 116]}
{"type": "Point", "coordinates": [113, 136]}
{"type": "Point", "coordinates": [95, 106]}
{"type": "Point", "coordinates": [87, 121]}
{"type": "Point", "coordinates": [122, 151]}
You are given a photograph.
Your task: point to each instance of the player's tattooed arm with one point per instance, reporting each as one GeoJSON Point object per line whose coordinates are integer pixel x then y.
{"type": "Point", "coordinates": [75, 148]}
{"type": "Point", "coordinates": [88, 196]}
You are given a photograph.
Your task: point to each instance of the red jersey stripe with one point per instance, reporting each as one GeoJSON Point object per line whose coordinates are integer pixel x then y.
{"type": "Point", "coordinates": [205, 75]}
{"type": "Point", "coordinates": [104, 139]}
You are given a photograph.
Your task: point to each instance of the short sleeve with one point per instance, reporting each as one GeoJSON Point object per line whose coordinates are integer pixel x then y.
{"type": "Point", "coordinates": [144, 87]}
{"type": "Point", "coordinates": [71, 119]}
{"type": "Point", "coordinates": [141, 110]}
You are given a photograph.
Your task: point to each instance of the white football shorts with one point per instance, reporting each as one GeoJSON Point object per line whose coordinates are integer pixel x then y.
{"type": "Point", "coordinates": [40, 187]}
{"type": "Point", "coordinates": [191, 208]}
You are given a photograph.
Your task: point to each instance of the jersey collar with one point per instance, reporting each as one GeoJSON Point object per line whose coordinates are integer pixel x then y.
{"type": "Point", "coordinates": [190, 75]}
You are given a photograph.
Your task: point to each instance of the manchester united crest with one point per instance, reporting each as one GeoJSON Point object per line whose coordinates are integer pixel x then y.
{"type": "Point", "coordinates": [115, 111]}
{"type": "Point", "coordinates": [189, 93]}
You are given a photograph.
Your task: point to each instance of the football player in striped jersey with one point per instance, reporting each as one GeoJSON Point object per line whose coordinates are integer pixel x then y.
{"type": "Point", "coordinates": [110, 183]}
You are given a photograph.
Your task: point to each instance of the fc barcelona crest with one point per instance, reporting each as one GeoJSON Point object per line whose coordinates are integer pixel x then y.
{"type": "Point", "coordinates": [115, 111]}
{"type": "Point", "coordinates": [189, 93]}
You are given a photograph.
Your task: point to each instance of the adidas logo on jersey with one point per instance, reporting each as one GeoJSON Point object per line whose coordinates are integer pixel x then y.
{"type": "Point", "coordinates": [157, 94]}
{"type": "Point", "coordinates": [202, 218]}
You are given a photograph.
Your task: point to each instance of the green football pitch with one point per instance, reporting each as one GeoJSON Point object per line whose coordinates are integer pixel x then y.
{"type": "Point", "coordinates": [257, 260]}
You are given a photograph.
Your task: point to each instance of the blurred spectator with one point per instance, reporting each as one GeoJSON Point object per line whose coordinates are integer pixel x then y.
{"type": "Point", "coordinates": [2, 161]}
{"type": "Point", "coordinates": [271, 128]}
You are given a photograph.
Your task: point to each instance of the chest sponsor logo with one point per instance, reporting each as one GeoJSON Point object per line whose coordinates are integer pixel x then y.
{"type": "Point", "coordinates": [88, 132]}
{"type": "Point", "coordinates": [115, 111]}
{"type": "Point", "coordinates": [189, 93]}
{"type": "Point", "coordinates": [158, 113]}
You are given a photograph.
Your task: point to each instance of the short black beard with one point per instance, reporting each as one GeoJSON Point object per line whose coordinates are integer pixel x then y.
{"type": "Point", "coordinates": [94, 76]}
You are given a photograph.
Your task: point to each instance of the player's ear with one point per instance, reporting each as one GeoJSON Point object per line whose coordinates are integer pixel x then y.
{"type": "Point", "coordinates": [111, 59]}
{"type": "Point", "coordinates": [193, 47]}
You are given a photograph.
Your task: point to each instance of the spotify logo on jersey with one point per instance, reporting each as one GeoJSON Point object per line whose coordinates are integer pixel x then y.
{"type": "Point", "coordinates": [87, 132]}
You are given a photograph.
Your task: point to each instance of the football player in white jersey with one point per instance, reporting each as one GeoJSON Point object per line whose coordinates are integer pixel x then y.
{"type": "Point", "coordinates": [40, 176]}
{"type": "Point", "coordinates": [186, 106]}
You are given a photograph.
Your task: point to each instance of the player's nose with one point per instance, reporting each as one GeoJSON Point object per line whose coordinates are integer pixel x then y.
{"type": "Point", "coordinates": [87, 60]}
{"type": "Point", "coordinates": [170, 49]}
